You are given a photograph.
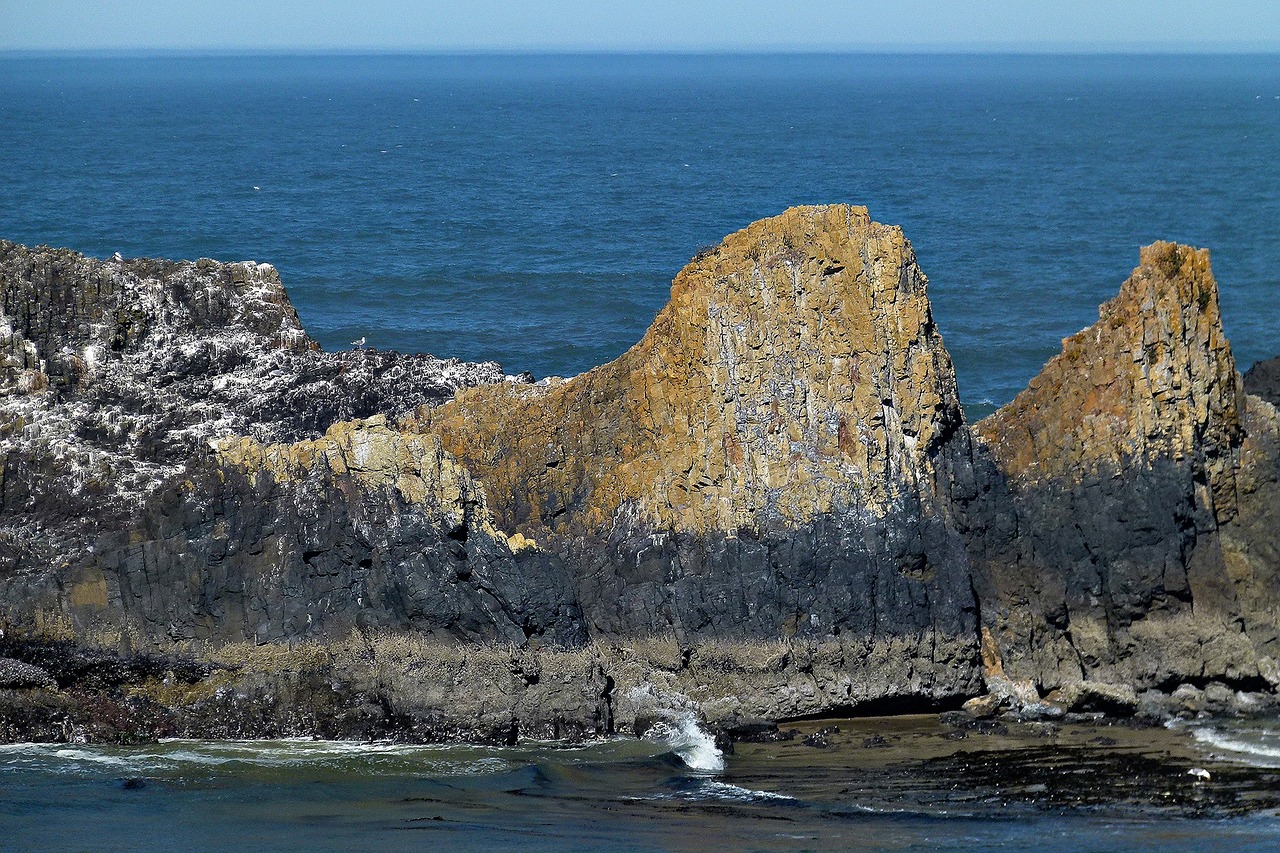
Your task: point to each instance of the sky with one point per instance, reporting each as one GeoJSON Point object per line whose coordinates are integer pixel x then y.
{"type": "Point", "coordinates": [641, 25]}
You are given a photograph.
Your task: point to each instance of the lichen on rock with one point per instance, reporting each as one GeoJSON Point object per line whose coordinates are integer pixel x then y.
{"type": "Point", "coordinates": [770, 506]}
{"type": "Point", "coordinates": [795, 371]}
{"type": "Point", "coordinates": [1123, 462]}
{"type": "Point", "coordinates": [1153, 379]}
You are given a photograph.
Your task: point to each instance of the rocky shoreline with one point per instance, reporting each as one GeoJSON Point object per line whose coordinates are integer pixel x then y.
{"type": "Point", "coordinates": [770, 508]}
{"type": "Point", "coordinates": [407, 689]}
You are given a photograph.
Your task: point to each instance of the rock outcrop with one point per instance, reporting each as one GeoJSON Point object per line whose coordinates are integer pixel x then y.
{"type": "Point", "coordinates": [1263, 381]}
{"type": "Point", "coordinates": [117, 379]}
{"type": "Point", "coordinates": [775, 488]}
{"type": "Point", "coordinates": [774, 458]}
{"type": "Point", "coordinates": [1124, 461]}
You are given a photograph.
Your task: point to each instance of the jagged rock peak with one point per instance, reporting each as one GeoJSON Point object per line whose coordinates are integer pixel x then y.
{"type": "Point", "coordinates": [218, 346]}
{"type": "Point", "coordinates": [1153, 378]}
{"type": "Point", "coordinates": [795, 371]}
{"type": "Point", "coordinates": [68, 318]}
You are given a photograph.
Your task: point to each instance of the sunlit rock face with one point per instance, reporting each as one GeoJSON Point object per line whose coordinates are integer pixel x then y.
{"type": "Point", "coordinates": [774, 458]}
{"type": "Point", "coordinates": [796, 371]}
{"type": "Point", "coordinates": [1132, 462]}
{"type": "Point", "coordinates": [782, 458]}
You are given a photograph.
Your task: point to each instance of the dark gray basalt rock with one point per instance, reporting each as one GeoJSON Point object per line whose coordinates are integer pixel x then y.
{"type": "Point", "coordinates": [1263, 380]}
{"type": "Point", "coordinates": [777, 482]}
{"type": "Point", "coordinates": [1136, 469]}
{"type": "Point", "coordinates": [15, 674]}
{"type": "Point", "coordinates": [115, 378]}
{"type": "Point", "coordinates": [318, 557]}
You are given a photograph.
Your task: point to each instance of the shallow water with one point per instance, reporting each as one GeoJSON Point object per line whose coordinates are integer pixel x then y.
{"type": "Point", "coordinates": [1253, 742]}
{"type": "Point", "coordinates": [534, 209]}
{"type": "Point", "coordinates": [889, 784]}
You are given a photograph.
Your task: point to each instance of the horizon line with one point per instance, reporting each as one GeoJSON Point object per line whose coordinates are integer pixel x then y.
{"type": "Point", "coordinates": [994, 50]}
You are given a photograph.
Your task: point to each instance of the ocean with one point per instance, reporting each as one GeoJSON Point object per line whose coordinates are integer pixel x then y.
{"type": "Point", "coordinates": [876, 785]}
{"type": "Point", "coordinates": [534, 209]}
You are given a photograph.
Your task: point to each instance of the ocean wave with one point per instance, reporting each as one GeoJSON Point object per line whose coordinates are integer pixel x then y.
{"type": "Point", "coordinates": [196, 759]}
{"type": "Point", "coordinates": [181, 757]}
{"type": "Point", "coordinates": [716, 791]}
{"type": "Point", "coordinates": [1260, 747]}
{"type": "Point", "coordinates": [725, 791]}
{"type": "Point", "coordinates": [690, 742]}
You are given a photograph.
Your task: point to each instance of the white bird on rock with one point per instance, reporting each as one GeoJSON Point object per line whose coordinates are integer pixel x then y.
{"type": "Point", "coordinates": [1200, 773]}
{"type": "Point", "coordinates": [358, 344]}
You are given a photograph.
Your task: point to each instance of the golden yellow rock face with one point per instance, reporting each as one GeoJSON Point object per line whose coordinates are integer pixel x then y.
{"type": "Point", "coordinates": [796, 369]}
{"type": "Point", "coordinates": [373, 457]}
{"type": "Point", "coordinates": [1153, 378]}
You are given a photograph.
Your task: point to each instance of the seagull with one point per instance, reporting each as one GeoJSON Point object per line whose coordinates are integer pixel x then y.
{"type": "Point", "coordinates": [1200, 773]}
{"type": "Point", "coordinates": [257, 188]}
{"type": "Point", "coordinates": [358, 344]}
{"type": "Point", "coordinates": [117, 257]}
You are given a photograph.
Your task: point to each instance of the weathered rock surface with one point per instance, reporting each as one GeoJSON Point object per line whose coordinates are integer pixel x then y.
{"type": "Point", "coordinates": [1137, 473]}
{"type": "Point", "coordinates": [15, 674]}
{"type": "Point", "coordinates": [1263, 380]}
{"type": "Point", "coordinates": [770, 507]}
{"type": "Point", "coordinates": [1084, 696]}
{"type": "Point", "coordinates": [774, 458]}
{"type": "Point", "coordinates": [116, 379]}
{"type": "Point", "coordinates": [114, 374]}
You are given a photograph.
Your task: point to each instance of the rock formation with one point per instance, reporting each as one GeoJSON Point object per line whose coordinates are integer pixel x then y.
{"type": "Point", "coordinates": [117, 379]}
{"type": "Point", "coordinates": [772, 459]}
{"type": "Point", "coordinates": [1263, 381]}
{"type": "Point", "coordinates": [769, 506]}
{"type": "Point", "coordinates": [1122, 459]}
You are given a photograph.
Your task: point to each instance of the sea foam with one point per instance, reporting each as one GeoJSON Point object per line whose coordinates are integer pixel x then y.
{"type": "Point", "coordinates": [1258, 748]}
{"type": "Point", "coordinates": [694, 745]}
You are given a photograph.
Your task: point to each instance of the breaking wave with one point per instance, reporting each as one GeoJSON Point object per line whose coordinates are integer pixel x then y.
{"type": "Point", "coordinates": [1258, 745]}
{"type": "Point", "coordinates": [694, 745]}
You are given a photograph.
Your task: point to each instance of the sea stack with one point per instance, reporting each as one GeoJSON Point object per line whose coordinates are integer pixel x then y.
{"type": "Point", "coordinates": [1123, 460]}
{"type": "Point", "coordinates": [770, 506]}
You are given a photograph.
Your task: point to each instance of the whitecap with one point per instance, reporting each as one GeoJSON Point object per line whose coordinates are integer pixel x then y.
{"type": "Point", "coordinates": [92, 757]}
{"type": "Point", "coordinates": [725, 791]}
{"type": "Point", "coordinates": [693, 744]}
{"type": "Point", "coordinates": [1264, 751]}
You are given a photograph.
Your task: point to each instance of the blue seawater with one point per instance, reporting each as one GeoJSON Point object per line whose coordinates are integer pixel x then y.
{"type": "Point", "coordinates": [534, 209]}
{"type": "Point", "coordinates": [618, 796]}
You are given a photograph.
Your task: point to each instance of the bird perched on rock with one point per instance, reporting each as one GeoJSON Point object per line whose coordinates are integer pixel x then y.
{"type": "Point", "coordinates": [1200, 773]}
{"type": "Point", "coordinates": [358, 344]}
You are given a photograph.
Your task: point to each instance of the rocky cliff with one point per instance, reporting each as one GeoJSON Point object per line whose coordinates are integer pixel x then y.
{"type": "Point", "coordinates": [773, 459]}
{"type": "Point", "coordinates": [1123, 463]}
{"type": "Point", "coordinates": [118, 378]}
{"type": "Point", "coordinates": [774, 492]}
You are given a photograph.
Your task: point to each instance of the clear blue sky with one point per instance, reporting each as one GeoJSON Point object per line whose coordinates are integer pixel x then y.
{"type": "Point", "coordinates": [641, 25]}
